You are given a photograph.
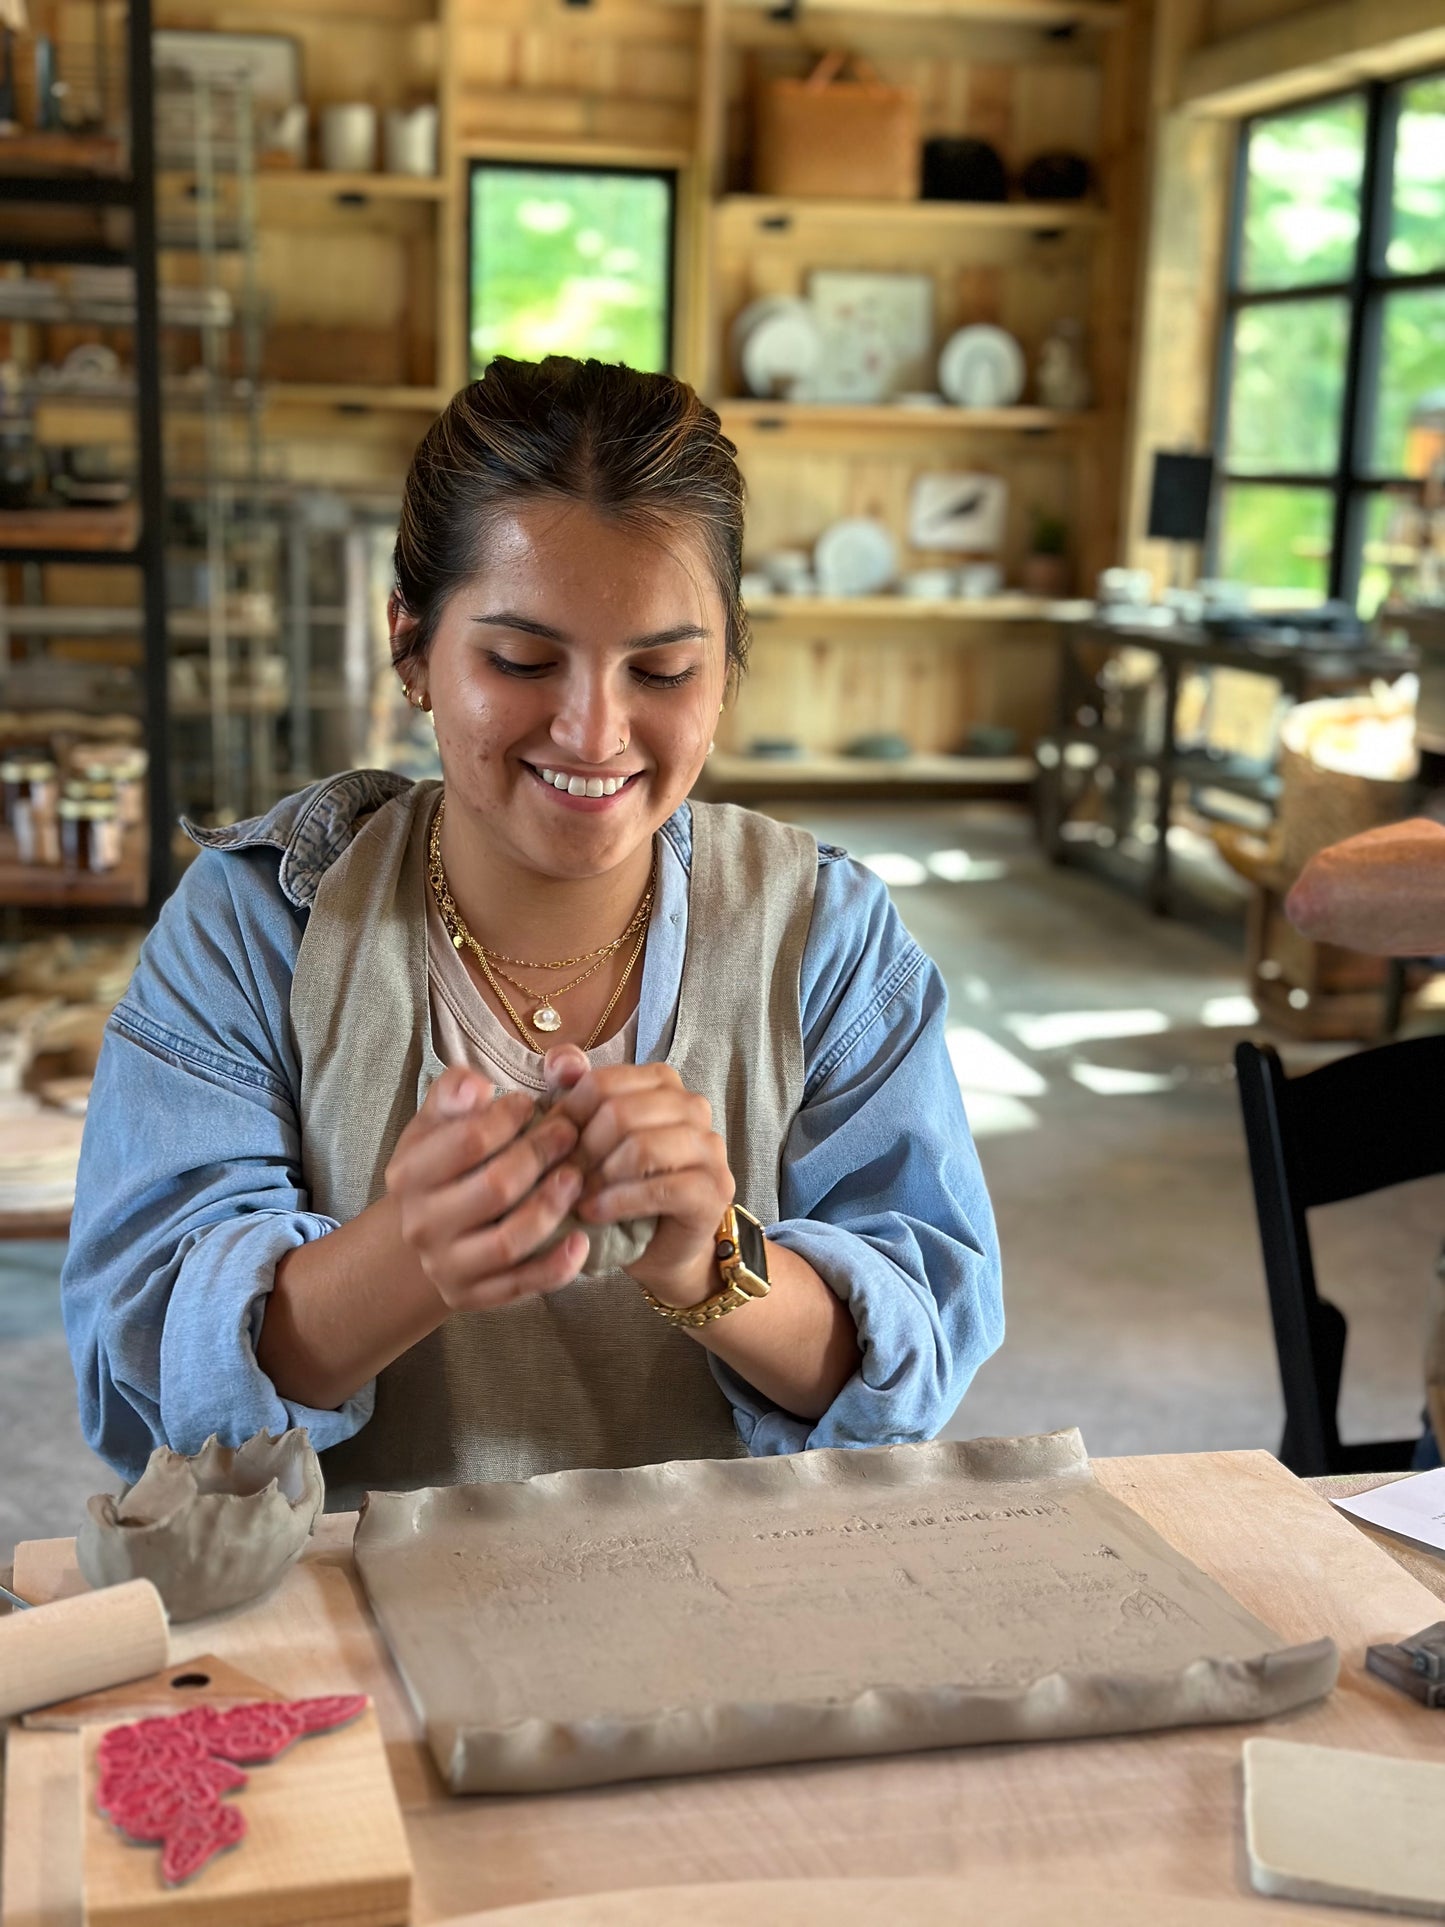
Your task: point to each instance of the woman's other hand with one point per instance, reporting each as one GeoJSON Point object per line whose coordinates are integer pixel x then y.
{"type": "Point", "coordinates": [479, 1187]}
{"type": "Point", "coordinates": [647, 1149]}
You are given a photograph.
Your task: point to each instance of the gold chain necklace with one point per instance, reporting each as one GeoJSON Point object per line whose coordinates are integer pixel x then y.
{"type": "Point", "coordinates": [544, 1018]}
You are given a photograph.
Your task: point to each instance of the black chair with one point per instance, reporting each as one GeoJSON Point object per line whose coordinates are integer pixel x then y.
{"type": "Point", "coordinates": [1368, 1121]}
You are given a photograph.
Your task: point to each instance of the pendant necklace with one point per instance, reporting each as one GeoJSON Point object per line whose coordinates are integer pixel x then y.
{"type": "Point", "coordinates": [545, 1018]}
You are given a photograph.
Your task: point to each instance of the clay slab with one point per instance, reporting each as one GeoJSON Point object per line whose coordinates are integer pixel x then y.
{"type": "Point", "coordinates": [595, 1626]}
{"type": "Point", "coordinates": [1354, 1829]}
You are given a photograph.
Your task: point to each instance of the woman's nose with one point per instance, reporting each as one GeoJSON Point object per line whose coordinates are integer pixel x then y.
{"type": "Point", "coordinates": [590, 726]}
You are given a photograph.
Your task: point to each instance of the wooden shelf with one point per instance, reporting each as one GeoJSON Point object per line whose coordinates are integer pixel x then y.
{"type": "Point", "coordinates": [278, 183]}
{"type": "Point", "coordinates": [33, 886]}
{"type": "Point", "coordinates": [741, 417]}
{"type": "Point", "coordinates": [727, 770]}
{"type": "Point", "coordinates": [765, 215]}
{"type": "Point", "coordinates": [355, 395]}
{"type": "Point", "coordinates": [902, 608]}
{"type": "Point", "coordinates": [1101, 15]}
{"type": "Point", "coordinates": [83, 530]}
{"type": "Point", "coordinates": [580, 153]}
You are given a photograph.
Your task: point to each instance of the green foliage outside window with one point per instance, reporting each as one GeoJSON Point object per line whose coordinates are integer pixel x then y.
{"type": "Point", "coordinates": [1302, 196]}
{"type": "Point", "coordinates": [570, 262]}
{"type": "Point", "coordinates": [1417, 225]}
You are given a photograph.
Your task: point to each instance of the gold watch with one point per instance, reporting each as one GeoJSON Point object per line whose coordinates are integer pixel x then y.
{"type": "Point", "coordinates": [742, 1261]}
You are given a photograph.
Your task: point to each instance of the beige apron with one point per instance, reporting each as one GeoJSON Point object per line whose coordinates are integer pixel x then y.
{"type": "Point", "coordinates": [588, 1376]}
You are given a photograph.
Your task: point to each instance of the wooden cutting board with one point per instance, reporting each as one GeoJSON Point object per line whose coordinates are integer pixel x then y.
{"type": "Point", "coordinates": [324, 1842]}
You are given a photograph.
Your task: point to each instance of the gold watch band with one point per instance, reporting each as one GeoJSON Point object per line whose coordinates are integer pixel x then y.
{"type": "Point", "coordinates": [740, 1283]}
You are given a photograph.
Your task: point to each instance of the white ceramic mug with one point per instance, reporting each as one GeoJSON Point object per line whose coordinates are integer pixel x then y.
{"type": "Point", "coordinates": [348, 138]}
{"type": "Point", "coordinates": [411, 140]}
{"type": "Point", "coordinates": [979, 581]}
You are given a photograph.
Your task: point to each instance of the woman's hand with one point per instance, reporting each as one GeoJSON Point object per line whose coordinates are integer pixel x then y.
{"type": "Point", "coordinates": [648, 1150]}
{"type": "Point", "coordinates": [480, 1186]}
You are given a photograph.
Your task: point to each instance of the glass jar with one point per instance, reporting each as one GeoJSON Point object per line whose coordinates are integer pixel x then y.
{"type": "Point", "coordinates": [31, 792]}
{"type": "Point", "coordinates": [89, 834]}
{"type": "Point", "coordinates": [123, 768]}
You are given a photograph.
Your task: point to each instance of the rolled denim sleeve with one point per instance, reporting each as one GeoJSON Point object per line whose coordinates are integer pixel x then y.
{"type": "Point", "coordinates": [881, 1190]}
{"type": "Point", "coordinates": [190, 1187]}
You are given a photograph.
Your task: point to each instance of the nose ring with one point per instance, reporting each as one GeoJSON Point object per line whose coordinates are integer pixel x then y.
{"type": "Point", "coordinates": [621, 744]}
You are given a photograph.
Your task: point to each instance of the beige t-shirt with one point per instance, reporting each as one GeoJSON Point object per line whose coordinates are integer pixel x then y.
{"type": "Point", "coordinates": [465, 1030]}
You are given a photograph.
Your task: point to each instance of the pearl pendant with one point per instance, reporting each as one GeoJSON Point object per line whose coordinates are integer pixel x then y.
{"type": "Point", "coordinates": [546, 1019]}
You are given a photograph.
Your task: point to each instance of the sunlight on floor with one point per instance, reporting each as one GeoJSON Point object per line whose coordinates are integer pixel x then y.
{"type": "Point", "coordinates": [1061, 1028]}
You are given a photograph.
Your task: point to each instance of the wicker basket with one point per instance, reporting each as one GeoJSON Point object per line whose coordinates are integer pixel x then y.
{"type": "Point", "coordinates": [845, 139]}
{"type": "Point", "coordinates": [1318, 807]}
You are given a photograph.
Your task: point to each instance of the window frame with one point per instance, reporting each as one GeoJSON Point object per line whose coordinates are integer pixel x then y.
{"type": "Point", "coordinates": [1351, 485]}
{"type": "Point", "coordinates": [478, 164]}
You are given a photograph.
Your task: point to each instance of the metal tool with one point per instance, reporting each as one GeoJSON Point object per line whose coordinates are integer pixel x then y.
{"type": "Point", "coordinates": [1416, 1666]}
{"type": "Point", "coordinates": [14, 1599]}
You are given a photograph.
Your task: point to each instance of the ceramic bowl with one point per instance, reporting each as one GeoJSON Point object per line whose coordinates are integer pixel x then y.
{"type": "Point", "coordinates": [210, 1531]}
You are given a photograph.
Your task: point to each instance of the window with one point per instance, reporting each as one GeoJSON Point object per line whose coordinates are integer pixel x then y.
{"type": "Point", "coordinates": [1332, 364]}
{"type": "Point", "coordinates": [570, 261]}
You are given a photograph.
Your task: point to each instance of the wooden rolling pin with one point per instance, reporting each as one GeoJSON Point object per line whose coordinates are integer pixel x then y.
{"type": "Point", "coordinates": [81, 1645]}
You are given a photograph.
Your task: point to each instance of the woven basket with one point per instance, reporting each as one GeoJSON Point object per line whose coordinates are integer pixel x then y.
{"type": "Point", "coordinates": [1318, 807]}
{"type": "Point", "coordinates": [851, 139]}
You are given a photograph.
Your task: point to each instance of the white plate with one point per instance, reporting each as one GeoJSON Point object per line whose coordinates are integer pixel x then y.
{"type": "Point", "coordinates": [855, 557]}
{"type": "Point", "coordinates": [982, 367]}
{"type": "Point", "coordinates": [776, 342]}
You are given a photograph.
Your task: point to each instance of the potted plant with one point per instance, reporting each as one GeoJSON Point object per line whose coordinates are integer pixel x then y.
{"type": "Point", "coordinates": [1045, 569]}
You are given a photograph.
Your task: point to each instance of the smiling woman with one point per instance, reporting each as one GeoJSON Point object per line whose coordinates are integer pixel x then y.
{"type": "Point", "coordinates": [538, 1118]}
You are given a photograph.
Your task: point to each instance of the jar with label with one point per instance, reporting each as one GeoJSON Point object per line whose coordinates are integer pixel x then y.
{"type": "Point", "coordinates": [120, 766]}
{"type": "Point", "coordinates": [89, 834]}
{"type": "Point", "coordinates": [31, 792]}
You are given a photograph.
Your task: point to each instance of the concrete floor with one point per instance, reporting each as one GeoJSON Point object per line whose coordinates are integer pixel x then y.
{"type": "Point", "coordinates": [1093, 1043]}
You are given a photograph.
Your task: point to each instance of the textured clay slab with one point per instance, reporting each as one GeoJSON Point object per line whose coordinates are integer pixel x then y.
{"type": "Point", "coordinates": [1356, 1829]}
{"type": "Point", "coordinates": [596, 1626]}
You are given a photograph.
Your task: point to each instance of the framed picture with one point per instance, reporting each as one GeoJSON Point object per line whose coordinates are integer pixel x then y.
{"type": "Point", "coordinates": [958, 511]}
{"type": "Point", "coordinates": [269, 63]}
{"type": "Point", "coordinates": [571, 261]}
{"type": "Point", "coordinates": [876, 335]}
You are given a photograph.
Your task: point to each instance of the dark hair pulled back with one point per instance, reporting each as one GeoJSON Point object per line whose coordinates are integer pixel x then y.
{"type": "Point", "coordinates": [641, 448]}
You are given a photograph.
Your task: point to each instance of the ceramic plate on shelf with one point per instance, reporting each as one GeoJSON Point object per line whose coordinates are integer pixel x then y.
{"type": "Point", "coordinates": [776, 343]}
{"type": "Point", "coordinates": [982, 367]}
{"type": "Point", "coordinates": [856, 556]}
{"type": "Point", "coordinates": [875, 333]}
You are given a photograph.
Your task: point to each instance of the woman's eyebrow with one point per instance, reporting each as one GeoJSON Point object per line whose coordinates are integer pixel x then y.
{"type": "Point", "coordinates": [506, 619]}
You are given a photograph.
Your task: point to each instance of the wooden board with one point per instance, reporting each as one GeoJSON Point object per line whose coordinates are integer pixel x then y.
{"type": "Point", "coordinates": [1157, 1815]}
{"type": "Point", "coordinates": [963, 1902]}
{"type": "Point", "coordinates": [324, 1842]}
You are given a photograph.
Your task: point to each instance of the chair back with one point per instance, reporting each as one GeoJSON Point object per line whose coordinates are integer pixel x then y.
{"type": "Point", "coordinates": [1361, 1124]}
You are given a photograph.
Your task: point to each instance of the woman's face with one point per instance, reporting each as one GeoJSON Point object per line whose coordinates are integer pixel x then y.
{"type": "Point", "coordinates": [583, 651]}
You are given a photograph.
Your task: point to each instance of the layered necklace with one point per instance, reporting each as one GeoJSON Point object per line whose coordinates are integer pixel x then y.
{"type": "Point", "coordinates": [544, 1018]}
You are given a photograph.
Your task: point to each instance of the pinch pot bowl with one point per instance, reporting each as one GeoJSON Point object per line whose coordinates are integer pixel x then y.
{"type": "Point", "coordinates": [210, 1531]}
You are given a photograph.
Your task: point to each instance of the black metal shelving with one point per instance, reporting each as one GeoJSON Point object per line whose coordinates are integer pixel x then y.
{"type": "Point", "coordinates": [137, 194]}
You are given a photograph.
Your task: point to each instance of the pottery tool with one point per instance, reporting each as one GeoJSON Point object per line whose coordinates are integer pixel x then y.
{"type": "Point", "coordinates": [1416, 1666]}
{"type": "Point", "coordinates": [1352, 1829]}
{"type": "Point", "coordinates": [203, 1681]}
{"type": "Point", "coordinates": [80, 1645]}
{"type": "Point", "coordinates": [313, 1824]}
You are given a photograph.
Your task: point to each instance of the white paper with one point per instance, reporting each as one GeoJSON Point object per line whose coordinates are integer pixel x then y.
{"type": "Point", "coordinates": [1412, 1509]}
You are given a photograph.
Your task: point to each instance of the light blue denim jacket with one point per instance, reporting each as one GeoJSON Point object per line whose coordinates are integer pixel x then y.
{"type": "Point", "coordinates": [190, 1189]}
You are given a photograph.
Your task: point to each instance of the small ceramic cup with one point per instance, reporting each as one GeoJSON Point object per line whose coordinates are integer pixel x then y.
{"type": "Point", "coordinates": [348, 138]}
{"type": "Point", "coordinates": [411, 140]}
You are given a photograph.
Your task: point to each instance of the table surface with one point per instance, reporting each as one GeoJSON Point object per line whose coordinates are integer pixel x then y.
{"type": "Point", "coordinates": [1153, 1814]}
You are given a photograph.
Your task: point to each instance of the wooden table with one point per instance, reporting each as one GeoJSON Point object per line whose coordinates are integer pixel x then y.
{"type": "Point", "coordinates": [1156, 1815]}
